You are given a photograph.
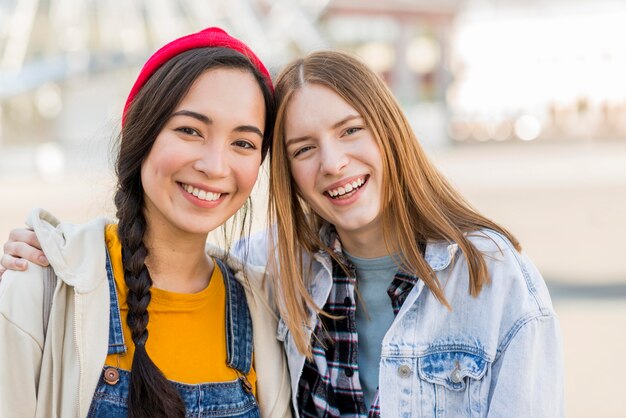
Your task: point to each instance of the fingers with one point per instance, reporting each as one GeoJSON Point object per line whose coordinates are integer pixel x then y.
{"type": "Point", "coordinates": [24, 235]}
{"type": "Point", "coordinates": [22, 244]}
{"type": "Point", "coordinates": [12, 263]}
{"type": "Point", "coordinates": [16, 254]}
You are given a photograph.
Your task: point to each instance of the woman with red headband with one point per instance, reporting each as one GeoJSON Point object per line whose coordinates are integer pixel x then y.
{"type": "Point", "coordinates": [143, 322]}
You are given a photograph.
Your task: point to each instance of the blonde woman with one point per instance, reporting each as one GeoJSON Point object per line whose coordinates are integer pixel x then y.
{"type": "Point", "coordinates": [397, 298]}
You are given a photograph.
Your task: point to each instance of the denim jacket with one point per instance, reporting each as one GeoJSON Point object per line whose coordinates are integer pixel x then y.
{"type": "Point", "coordinates": [495, 355]}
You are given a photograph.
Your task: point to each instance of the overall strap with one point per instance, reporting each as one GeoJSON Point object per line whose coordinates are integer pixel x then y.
{"type": "Point", "coordinates": [116, 335]}
{"type": "Point", "coordinates": [238, 323]}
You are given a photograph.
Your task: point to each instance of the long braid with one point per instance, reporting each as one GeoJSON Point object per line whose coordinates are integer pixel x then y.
{"type": "Point", "coordinates": [151, 395]}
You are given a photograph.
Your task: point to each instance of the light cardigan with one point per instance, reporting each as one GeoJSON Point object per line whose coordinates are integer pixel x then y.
{"type": "Point", "coordinates": [58, 378]}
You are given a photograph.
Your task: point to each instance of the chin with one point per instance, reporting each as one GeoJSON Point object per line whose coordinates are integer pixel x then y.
{"type": "Point", "coordinates": [196, 227]}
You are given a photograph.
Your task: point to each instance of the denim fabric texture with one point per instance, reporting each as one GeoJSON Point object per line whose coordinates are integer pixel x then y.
{"type": "Point", "coordinates": [239, 323]}
{"type": "Point", "coordinates": [221, 399]}
{"type": "Point", "coordinates": [116, 335]}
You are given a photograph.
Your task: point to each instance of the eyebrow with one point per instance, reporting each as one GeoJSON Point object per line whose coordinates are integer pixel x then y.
{"type": "Point", "coordinates": [335, 126]}
{"type": "Point", "coordinates": [346, 119]}
{"type": "Point", "coordinates": [249, 128]}
{"type": "Point", "coordinates": [208, 121]}
{"type": "Point", "coordinates": [195, 115]}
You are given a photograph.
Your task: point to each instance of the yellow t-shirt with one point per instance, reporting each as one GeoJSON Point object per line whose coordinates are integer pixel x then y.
{"type": "Point", "coordinates": [187, 332]}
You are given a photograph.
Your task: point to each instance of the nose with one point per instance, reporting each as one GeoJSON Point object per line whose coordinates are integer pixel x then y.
{"type": "Point", "coordinates": [333, 157]}
{"type": "Point", "coordinates": [214, 159]}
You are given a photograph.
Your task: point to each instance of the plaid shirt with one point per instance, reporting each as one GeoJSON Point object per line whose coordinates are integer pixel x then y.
{"type": "Point", "coordinates": [329, 386]}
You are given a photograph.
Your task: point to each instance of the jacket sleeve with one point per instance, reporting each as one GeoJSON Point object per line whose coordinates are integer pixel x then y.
{"type": "Point", "coordinates": [253, 250]}
{"type": "Point", "coordinates": [21, 341]}
{"type": "Point", "coordinates": [527, 377]}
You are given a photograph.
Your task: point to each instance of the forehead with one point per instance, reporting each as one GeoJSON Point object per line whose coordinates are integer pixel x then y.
{"type": "Point", "coordinates": [314, 104]}
{"type": "Point", "coordinates": [231, 89]}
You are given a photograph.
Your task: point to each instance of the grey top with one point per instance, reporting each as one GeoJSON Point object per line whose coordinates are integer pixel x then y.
{"type": "Point", "coordinates": [374, 315]}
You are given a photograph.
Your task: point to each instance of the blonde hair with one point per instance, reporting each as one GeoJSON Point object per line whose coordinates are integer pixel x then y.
{"type": "Point", "coordinates": [422, 204]}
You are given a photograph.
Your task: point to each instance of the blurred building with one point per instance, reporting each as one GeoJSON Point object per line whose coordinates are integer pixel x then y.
{"type": "Point", "coordinates": [466, 71]}
{"type": "Point", "coordinates": [549, 71]}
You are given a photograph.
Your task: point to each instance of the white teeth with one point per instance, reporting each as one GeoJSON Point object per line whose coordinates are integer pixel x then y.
{"type": "Point", "coordinates": [347, 188]}
{"type": "Point", "coordinates": [201, 194]}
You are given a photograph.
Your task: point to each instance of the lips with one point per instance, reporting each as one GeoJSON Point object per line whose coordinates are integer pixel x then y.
{"type": "Point", "coordinates": [201, 194]}
{"type": "Point", "coordinates": [348, 188]}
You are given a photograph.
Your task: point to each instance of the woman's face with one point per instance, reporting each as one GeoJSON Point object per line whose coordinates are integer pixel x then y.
{"type": "Point", "coordinates": [206, 159]}
{"type": "Point", "coordinates": [335, 161]}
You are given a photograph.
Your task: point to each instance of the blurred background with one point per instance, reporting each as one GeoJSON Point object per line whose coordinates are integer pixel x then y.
{"type": "Point", "coordinates": [522, 104]}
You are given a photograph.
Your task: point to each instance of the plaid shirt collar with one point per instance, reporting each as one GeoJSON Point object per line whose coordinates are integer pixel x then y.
{"type": "Point", "coordinates": [329, 386]}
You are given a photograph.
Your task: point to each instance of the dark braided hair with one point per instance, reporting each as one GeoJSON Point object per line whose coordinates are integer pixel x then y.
{"type": "Point", "coordinates": [151, 395]}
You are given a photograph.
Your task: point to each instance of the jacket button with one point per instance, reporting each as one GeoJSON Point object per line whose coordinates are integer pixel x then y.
{"type": "Point", "coordinates": [348, 371]}
{"type": "Point", "coordinates": [404, 371]}
{"type": "Point", "coordinates": [456, 375]}
{"type": "Point", "coordinates": [111, 375]}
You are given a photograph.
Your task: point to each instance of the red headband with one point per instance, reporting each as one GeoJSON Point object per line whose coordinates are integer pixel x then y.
{"type": "Point", "coordinates": [210, 37]}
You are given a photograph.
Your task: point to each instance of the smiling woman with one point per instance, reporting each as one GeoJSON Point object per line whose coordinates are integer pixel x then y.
{"type": "Point", "coordinates": [424, 306]}
{"type": "Point", "coordinates": [207, 156]}
{"type": "Point", "coordinates": [157, 327]}
{"type": "Point", "coordinates": [335, 161]}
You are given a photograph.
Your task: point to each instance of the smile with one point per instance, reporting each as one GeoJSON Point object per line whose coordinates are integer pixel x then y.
{"type": "Point", "coordinates": [347, 189]}
{"type": "Point", "coordinates": [201, 194]}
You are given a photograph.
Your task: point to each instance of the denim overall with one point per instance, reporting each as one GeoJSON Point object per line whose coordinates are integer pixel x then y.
{"type": "Point", "coordinates": [222, 399]}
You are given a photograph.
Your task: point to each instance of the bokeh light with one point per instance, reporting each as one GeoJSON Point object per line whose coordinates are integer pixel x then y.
{"type": "Point", "coordinates": [423, 54]}
{"type": "Point", "coordinates": [48, 100]}
{"type": "Point", "coordinates": [527, 128]}
{"type": "Point", "coordinates": [50, 162]}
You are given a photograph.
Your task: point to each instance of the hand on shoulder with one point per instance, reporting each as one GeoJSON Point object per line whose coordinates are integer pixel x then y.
{"type": "Point", "coordinates": [22, 246]}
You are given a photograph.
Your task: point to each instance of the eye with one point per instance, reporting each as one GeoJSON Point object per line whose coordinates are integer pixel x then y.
{"type": "Point", "coordinates": [188, 131]}
{"type": "Point", "coordinates": [352, 130]}
{"type": "Point", "coordinates": [241, 143]}
{"type": "Point", "coordinates": [302, 150]}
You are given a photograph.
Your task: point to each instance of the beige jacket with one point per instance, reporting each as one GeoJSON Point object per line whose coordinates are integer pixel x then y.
{"type": "Point", "coordinates": [56, 376]}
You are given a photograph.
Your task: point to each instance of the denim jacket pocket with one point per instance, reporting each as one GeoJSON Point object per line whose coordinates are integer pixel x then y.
{"type": "Point", "coordinates": [451, 369]}
{"type": "Point", "coordinates": [453, 384]}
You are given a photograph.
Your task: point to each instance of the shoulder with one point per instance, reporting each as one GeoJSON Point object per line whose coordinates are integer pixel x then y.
{"type": "Point", "coordinates": [506, 266]}
{"type": "Point", "coordinates": [515, 295]}
{"type": "Point", "coordinates": [254, 280]}
{"type": "Point", "coordinates": [511, 270]}
{"type": "Point", "coordinates": [21, 300]}
{"type": "Point", "coordinates": [489, 241]}
{"type": "Point", "coordinates": [77, 252]}
{"type": "Point", "coordinates": [236, 265]}
{"type": "Point", "coordinates": [254, 249]}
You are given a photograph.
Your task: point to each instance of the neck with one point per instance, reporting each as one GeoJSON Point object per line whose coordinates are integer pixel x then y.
{"type": "Point", "coordinates": [364, 243]}
{"type": "Point", "coordinates": [177, 260]}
